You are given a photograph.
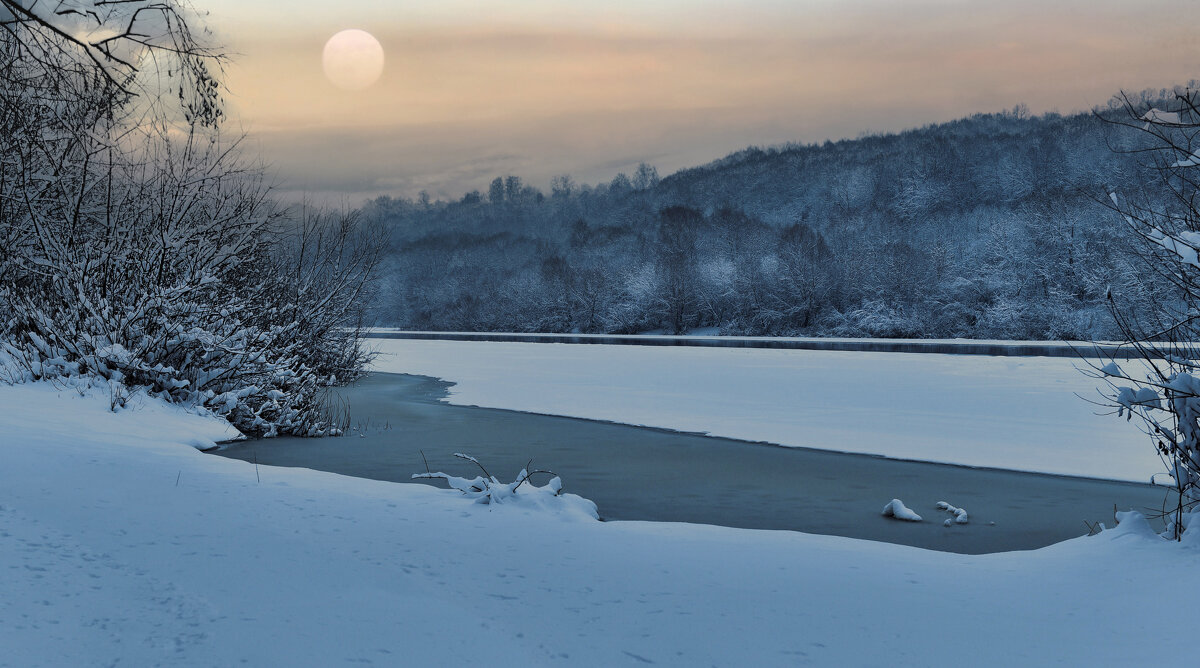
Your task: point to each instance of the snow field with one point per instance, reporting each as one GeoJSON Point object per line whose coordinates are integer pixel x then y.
{"type": "Point", "coordinates": [121, 543]}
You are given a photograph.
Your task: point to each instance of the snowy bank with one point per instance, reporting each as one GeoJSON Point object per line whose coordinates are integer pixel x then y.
{"type": "Point", "coordinates": [120, 542]}
{"type": "Point", "coordinates": [1023, 414]}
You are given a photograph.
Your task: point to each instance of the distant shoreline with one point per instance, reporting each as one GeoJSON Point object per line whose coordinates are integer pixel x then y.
{"type": "Point", "coordinates": [995, 348]}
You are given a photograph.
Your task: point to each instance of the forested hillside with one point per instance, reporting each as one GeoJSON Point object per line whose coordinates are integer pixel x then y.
{"type": "Point", "coordinates": [992, 226]}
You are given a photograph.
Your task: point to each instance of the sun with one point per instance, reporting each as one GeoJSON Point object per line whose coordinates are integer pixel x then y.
{"type": "Point", "coordinates": [353, 59]}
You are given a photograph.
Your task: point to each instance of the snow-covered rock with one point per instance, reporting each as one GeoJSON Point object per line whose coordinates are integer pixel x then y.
{"type": "Point", "coordinates": [896, 508]}
{"type": "Point", "coordinates": [960, 515]}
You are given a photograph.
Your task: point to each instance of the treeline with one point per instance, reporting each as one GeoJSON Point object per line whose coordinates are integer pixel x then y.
{"type": "Point", "coordinates": [992, 226]}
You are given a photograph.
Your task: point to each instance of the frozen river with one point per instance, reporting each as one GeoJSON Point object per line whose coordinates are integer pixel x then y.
{"type": "Point", "coordinates": [635, 473]}
{"type": "Point", "coordinates": [1019, 413]}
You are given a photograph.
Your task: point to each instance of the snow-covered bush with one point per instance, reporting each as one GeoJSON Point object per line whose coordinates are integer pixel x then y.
{"type": "Point", "coordinates": [878, 319]}
{"type": "Point", "coordinates": [135, 243]}
{"type": "Point", "coordinates": [1160, 384]}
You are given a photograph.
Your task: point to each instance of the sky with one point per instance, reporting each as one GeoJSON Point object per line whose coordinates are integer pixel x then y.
{"type": "Point", "coordinates": [472, 90]}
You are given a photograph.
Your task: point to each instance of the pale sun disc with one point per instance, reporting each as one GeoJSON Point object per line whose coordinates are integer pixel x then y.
{"type": "Point", "coordinates": [353, 59]}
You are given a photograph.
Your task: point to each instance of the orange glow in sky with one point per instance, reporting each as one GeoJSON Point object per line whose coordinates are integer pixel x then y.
{"type": "Point", "coordinates": [473, 90]}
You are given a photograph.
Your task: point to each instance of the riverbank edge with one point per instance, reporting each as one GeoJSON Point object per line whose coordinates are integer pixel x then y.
{"type": "Point", "coordinates": [1082, 350]}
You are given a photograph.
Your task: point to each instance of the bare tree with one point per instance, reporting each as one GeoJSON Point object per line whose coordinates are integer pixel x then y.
{"type": "Point", "coordinates": [144, 48]}
{"type": "Point", "coordinates": [678, 228]}
{"type": "Point", "coordinates": [645, 177]}
{"type": "Point", "coordinates": [1163, 390]}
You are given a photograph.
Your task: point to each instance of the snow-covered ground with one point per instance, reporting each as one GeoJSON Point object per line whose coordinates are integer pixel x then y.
{"type": "Point", "coordinates": [120, 543]}
{"type": "Point", "coordinates": [1019, 413]}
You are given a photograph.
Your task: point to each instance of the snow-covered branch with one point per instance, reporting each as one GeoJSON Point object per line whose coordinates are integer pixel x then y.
{"type": "Point", "coordinates": [1164, 394]}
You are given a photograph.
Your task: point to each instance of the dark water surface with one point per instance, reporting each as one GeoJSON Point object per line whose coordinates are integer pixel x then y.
{"type": "Point", "coordinates": [638, 473]}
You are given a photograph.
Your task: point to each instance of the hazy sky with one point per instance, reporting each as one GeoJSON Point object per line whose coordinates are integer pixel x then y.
{"type": "Point", "coordinates": [473, 90]}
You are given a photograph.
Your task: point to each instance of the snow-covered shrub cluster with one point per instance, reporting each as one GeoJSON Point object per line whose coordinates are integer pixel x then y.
{"type": "Point", "coordinates": [135, 243]}
{"type": "Point", "coordinates": [1165, 395]}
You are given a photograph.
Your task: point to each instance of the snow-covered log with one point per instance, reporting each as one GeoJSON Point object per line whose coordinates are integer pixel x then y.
{"type": "Point", "coordinates": [488, 490]}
